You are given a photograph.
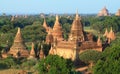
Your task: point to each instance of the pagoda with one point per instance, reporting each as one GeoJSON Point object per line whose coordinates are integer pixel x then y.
{"type": "Point", "coordinates": [77, 29]}
{"type": "Point", "coordinates": [118, 13]}
{"type": "Point", "coordinates": [57, 30]}
{"type": "Point", "coordinates": [45, 25]}
{"type": "Point", "coordinates": [18, 46]}
{"type": "Point", "coordinates": [32, 52]}
{"type": "Point", "coordinates": [103, 12]}
{"type": "Point", "coordinates": [78, 41]}
{"type": "Point", "coordinates": [111, 35]}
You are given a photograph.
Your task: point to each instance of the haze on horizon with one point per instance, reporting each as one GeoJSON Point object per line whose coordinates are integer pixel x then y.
{"type": "Point", "coordinates": [57, 6]}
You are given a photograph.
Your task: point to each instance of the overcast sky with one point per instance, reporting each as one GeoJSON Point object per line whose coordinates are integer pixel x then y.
{"type": "Point", "coordinates": [57, 6]}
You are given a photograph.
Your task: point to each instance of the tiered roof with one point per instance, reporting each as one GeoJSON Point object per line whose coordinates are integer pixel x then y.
{"type": "Point", "coordinates": [77, 29]}
{"type": "Point", "coordinates": [57, 30]}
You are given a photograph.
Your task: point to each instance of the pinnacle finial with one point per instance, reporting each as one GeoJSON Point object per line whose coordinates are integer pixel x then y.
{"type": "Point", "coordinates": [111, 30]}
{"type": "Point", "coordinates": [77, 15]}
{"type": "Point", "coordinates": [57, 18]}
{"type": "Point", "coordinates": [18, 30]}
{"type": "Point", "coordinates": [32, 45]}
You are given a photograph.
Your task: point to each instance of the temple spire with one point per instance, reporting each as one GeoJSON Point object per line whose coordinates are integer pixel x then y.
{"type": "Point", "coordinates": [57, 30]}
{"type": "Point", "coordinates": [106, 33]}
{"type": "Point", "coordinates": [18, 30]}
{"type": "Point", "coordinates": [41, 53]}
{"type": "Point", "coordinates": [77, 15]}
{"type": "Point", "coordinates": [19, 45]}
{"type": "Point", "coordinates": [18, 37]}
{"type": "Point", "coordinates": [57, 18]}
{"type": "Point", "coordinates": [77, 29]}
{"type": "Point", "coordinates": [111, 34]}
{"type": "Point", "coordinates": [99, 42]}
{"type": "Point", "coordinates": [32, 52]}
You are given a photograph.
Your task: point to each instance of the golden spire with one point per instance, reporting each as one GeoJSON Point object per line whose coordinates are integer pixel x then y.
{"type": "Point", "coordinates": [18, 30]}
{"type": "Point", "coordinates": [77, 15]}
{"type": "Point", "coordinates": [111, 34]}
{"type": "Point", "coordinates": [18, 37]}
{"type": "Point", "coordinates": [41, 54]}
{"type": "Point", "coordinates": [19, 45]}
{"type": "Point", "coordinates": [45, 24]}
{"type": "Point", "coordinates": [106, 33]}
{"type": "Point", "coordinates": [57, 30]}
{"type": "Point", "coordinates": [57, 18]}
{"type": "Point", "coordinates": [99, 42]}
{"type": "Point", "coordinates": [32, 52]}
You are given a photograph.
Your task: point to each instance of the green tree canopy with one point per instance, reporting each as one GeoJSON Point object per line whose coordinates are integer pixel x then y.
{"type": "Point", "coordinates": [90, 56]}
{"type": "Point", "coordinates": [54, 64]}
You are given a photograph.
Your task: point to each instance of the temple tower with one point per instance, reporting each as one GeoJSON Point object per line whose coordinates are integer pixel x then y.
{"type": "Point", "coordinates": [45, 25]}
{"type": "Point", "coordinates": [111, 35]}
{"type": "Point", "coordinates": [32, 52]}
{"type": "Point", "coordinates": [77, 29]}
{"type": "Point", "coordinates": [104, 12]}
{"type": "Point", "coordinates": [57, 30]}
{"type": "Point", "coordinates": [99, 42]}
{"type": "Point", "coordinates": [106, 33]}
{"type": "Point", "coordinates": [19, 46]}
{"type": "Point", "coordinates": [41, 53]}
{"type": "Point", "coordinates": [118, 13]}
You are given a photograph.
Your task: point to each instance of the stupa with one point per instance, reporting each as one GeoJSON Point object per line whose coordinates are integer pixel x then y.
{"type": "Point", "coordinates": [103, 12]}
{"type": "Point", "coordinates": [118, 13]}
{"type": "Point", "coordinates": [57, 30]}
{"type": "Point", "coordinates": [18, 46]}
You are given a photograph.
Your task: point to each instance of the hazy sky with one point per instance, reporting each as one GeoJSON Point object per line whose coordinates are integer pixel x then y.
{"type": "Point", "coordinates": [57, 6]}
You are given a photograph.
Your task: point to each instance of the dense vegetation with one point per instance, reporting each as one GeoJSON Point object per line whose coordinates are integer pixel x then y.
{"type": "Point", "coordinates": [110, 61]}
{"type": "Point", "coordinates": [106, 62]}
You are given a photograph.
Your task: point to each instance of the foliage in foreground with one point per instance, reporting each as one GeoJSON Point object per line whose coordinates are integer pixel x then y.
{"type": "Point", "coordinates": [90, 56]}
{"type": "Point", "coordinates": [109, 64]}
{"type": "Point", "coordinates": [54, 64]}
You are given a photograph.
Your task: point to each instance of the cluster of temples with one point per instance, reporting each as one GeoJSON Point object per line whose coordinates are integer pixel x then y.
{"type": "Point", "coordinates": [19, 49]}
{"type": "Point", "coordinates": [78, 41]}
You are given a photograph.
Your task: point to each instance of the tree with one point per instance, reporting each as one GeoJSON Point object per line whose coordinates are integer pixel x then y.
{"type": "Point", "coordinates": [54, 64]}
{"type": "Point", "coordinates": [110, 61]}
{"type": "Point", "coordinates": [90, 56]}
